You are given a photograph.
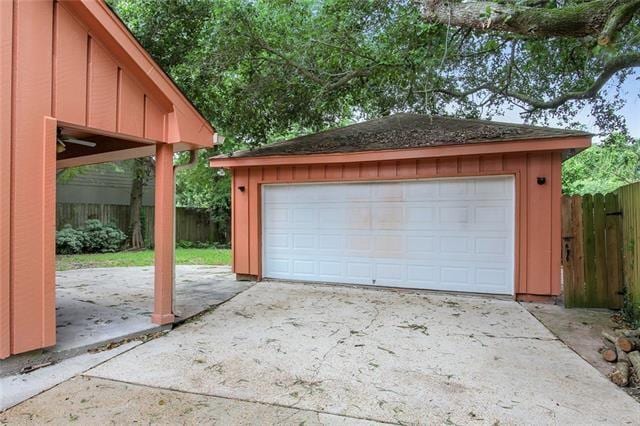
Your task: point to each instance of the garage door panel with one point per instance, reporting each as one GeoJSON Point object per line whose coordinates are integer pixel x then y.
{"type": "Point", "coordinates": [275, 240]}
{"type": "Point", "coordinates": [304, 241]}
{"type": "Point", "coordinates": [438, 234]}
{"type": "Point", "coordinates": [493, 188]}
{"type": "Point", "coordinates": [390, 272]}
{"type": "Point", "coordinates": [335, 243]}
{"type": "Point", "coordinates": [454, 189]}
{"type": "Point", "coordinates": [421, 246]}
{"type": "Point", "coordinates": [416, 192]}
{"type": "Point", "coordinates": [386, 192]}
{"type": "Point", "coordinates": [492, 246]}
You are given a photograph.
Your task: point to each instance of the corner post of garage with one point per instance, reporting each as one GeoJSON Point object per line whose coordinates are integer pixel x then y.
{"type": "Point", "coordinates": [164, 240]}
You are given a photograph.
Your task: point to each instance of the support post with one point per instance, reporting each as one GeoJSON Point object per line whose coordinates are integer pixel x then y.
{"type": "Point", "coordinates": [6, 41]}
{"type": "Point", "coordinates": [164, 240]}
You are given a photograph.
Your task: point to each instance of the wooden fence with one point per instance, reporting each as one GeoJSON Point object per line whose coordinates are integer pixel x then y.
{"type": "Point", "coordinates": [599, 255]}
{"type": "Point", "coordinates": [192, 224]}
{"type": "Point", "coordinates": [629, 197]}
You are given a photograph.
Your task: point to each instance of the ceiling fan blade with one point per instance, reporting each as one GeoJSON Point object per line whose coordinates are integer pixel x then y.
{"type": "Point", "coordinates": [68, 139]}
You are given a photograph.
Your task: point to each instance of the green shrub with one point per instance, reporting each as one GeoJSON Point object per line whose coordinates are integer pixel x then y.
{"type": "Point", "coordinates": [195, 244]}
{"type": "Point", "coordinates": [69, 240]}
{"type": "Point", "coordinates": [184, 244]}
{"type": "Point", "coordinates": [102, 238]}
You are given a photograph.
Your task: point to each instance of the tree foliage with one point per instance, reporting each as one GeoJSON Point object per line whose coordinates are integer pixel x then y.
{"type": "Point", "coordinates": [257, 68]}
{"type": "Point", "coordinates": [603, 168]}
{"type": "Point", "coordinates": [261, 69]}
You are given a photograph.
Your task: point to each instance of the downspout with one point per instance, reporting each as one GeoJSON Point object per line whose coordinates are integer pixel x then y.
{"type": "Point", "coordinates": [193, 157]}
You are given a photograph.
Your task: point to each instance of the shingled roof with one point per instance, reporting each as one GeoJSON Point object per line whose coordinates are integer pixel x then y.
{"type": "Point", "coordinates": [405, 131]}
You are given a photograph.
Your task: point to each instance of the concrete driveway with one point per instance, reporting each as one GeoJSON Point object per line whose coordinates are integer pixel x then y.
{"type": "Point", "coordinates": [292, 353]}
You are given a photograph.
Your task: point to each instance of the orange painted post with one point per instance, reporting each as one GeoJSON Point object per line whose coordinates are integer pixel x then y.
{"type": "Point", "coordinates": [33, 180]}
{"type": "Point", "coordinates": [6, 42]}
{"type": "Point", "coordinates": [164, 236]}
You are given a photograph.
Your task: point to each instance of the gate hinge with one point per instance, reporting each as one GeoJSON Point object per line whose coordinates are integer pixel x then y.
{"type": "Point", "coordinates": [614, 214]}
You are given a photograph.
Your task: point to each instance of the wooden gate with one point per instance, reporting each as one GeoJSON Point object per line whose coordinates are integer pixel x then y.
{"type": "Point", "coordinates": [592, 264]}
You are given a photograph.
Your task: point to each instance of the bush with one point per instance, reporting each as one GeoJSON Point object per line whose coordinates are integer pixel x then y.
{"type": "Point", "coordinates": [69, 240]}
{"type": "Point", "coordinates": [201, 244]}
{"type": "Point", "coordinates": [95, 237]}
{"type": "Point", "coordinates": [102, 238]}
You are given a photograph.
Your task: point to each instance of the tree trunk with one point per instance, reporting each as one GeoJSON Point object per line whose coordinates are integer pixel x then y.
{"type": "Point", "coordinates": [140, 175]}
{"type": "Point", "coordinates": [627, 344]}
{"type": "Point", "coordinates": [603, 17]}
{"type": "Point", "coordinates": [610, 355]}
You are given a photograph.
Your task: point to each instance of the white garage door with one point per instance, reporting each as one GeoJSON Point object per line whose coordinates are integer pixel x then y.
{"type": "Point", "coordinates": [441, 234]}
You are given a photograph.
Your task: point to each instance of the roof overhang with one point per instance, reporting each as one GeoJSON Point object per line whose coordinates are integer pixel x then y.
{"type": "Point", "coordinates": [186, 124]}
{"type": "Point", "coordinates": [568, 145]}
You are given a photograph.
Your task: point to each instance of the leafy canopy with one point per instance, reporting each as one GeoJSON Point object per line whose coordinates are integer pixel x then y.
{"type": "Point", "coordinates": [603, 168]}
{"type": "Point", "coordinates": [262, 70]}
{"type": "Point", "coordinates": [259, 68]}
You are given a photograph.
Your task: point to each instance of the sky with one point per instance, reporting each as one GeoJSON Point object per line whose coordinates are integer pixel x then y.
{"type": "Point", "coordinates": [631, 111]}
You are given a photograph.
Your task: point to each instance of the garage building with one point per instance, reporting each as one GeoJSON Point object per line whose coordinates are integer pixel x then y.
{"type": "Point", "coordinates": [408, 201]}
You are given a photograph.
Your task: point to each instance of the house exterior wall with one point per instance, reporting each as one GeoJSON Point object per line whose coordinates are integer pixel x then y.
{"type": "Point", "coordinates": [67, 63]}
{"type": "Point", "coordinates": [102, 185]}
{"type": "Point", "coordinates": [538, 239]}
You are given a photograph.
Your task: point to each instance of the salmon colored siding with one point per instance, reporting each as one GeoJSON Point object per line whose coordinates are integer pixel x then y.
{"type": "Point", "coordinates": [96, 85]}
{"type": "Point", "coordinates": [537, 265]}
{"type": "Point", "coordinates": [6, 50]}
{"type": "Point", "coordinates": [31, 192]}
{"type": "Point", "coordinates": [70, 64]}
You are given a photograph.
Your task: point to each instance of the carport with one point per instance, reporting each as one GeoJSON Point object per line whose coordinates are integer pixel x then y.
{"type": "Point", "coordinates": [407, 200]}
{"type": "Point", "coordinates": [76, 88]}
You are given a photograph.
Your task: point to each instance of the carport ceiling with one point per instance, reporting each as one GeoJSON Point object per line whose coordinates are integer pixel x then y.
{"type": "Point", "coordinates": [103, 143]}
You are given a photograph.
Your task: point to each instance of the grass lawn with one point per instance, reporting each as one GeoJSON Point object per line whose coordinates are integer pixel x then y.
{"type": "Point", "coordinates": [184, 256]}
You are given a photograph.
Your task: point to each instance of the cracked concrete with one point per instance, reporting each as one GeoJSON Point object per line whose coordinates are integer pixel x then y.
{"type": "Point", "coordinates": [97, 306]}
{"type": "Point", "coordinates": [358, 354]}
{"type": "Point", "coordinates": [85, 400]}
{"type": "Point", "coordinates": [102, 304]}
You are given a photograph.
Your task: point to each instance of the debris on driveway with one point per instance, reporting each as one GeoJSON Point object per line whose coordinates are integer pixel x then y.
{"type": "Point", "coordinates": [383, 355]}
{"type": "Point", "coordinates": [353, 355]}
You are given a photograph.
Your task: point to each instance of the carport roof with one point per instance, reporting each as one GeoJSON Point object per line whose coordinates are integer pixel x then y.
{"type": "Point", "coordinates": [406, 131]}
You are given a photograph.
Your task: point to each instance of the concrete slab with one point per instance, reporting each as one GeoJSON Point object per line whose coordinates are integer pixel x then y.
{"type": "Point", "coordinates": [97, 306]}
{"type": "Point", "coordinates": [95, 401]}
{"type": "Point", "coordinates": [384, 355]}
{"type": "Point", "coordinates": [580, 329]}
{"type": "Point", "coordinates": [18, 388]}
{"type": "Point", "coordinates": [104, 304]}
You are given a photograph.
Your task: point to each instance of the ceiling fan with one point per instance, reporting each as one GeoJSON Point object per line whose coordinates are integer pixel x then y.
{"type": "Point", "coordinates": [62, 140]}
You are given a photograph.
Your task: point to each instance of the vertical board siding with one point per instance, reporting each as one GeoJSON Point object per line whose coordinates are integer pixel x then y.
{"type": "Point", "coordinates": [539, 202]}
{"type": "Point", "coordinates": [6, 50]}
{"type": "Point", "coordinates": [153, 120]}
{"type": "Point", "coordinates": [629, 197]}
{"type": "Point", "coordinates": [103, 89]}
{"type": "Point", "coordinates": [131, 106]}
{"type": "Point", "coordinates": [70, 85]}
{"type": "Point", "coordinates": [48, 232]}
{"type": "Point", "coordinates": [32, 85]}
{"type": "Point", "coordinates": [59, 66]}
{"type": "Point", "coordinates": [91, 88]}
{"type": "Point", "coordinates": [241, 214]}
{"type": "Point", "coordinates": [535, 268]}
{"type": "Point", "coordinates": [556, 227]}
{"type": "Point", "coordinates": [592, 254]}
